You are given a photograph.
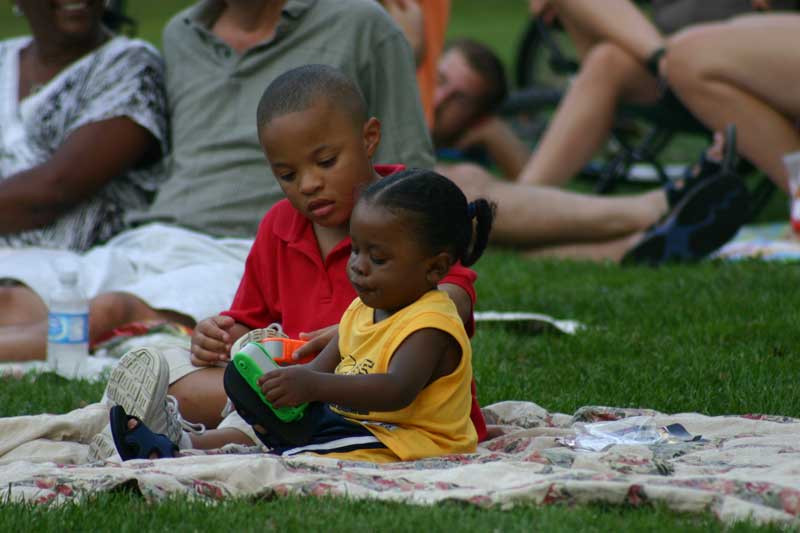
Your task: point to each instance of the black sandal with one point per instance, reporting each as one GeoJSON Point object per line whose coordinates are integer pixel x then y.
{"type": "Point", "coordinates": [139, 442]}
{"type": "Point", "coordinates": [704, 169]}
{"type": "Point", "coordinates": [707, 217]}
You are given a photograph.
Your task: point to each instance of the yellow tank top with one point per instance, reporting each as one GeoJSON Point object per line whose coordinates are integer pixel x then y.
{"type": "Point", "coordinates": [437, 422]}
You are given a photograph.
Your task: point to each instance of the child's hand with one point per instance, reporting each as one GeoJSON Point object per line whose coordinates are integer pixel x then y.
{"type": "Point", "coordinates": [289, 386]}
{"type": "Point", "coordinates": [317, 340]}
{"type": "Point", "coordinates": [211, 340]}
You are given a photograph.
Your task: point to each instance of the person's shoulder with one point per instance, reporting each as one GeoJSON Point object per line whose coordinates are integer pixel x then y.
{"type": "Point", "coordinates": [360, 13]}
{"type": "Point", "coordinates": [437, 306]}
{"type": "Point", "coordinates": [179, 22]}
{"type": "Point", "coordinates": [14, 43]}
{"type": "Point", "coordinates": [122, 48]}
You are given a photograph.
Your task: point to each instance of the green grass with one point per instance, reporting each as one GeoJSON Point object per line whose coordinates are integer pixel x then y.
{"type": "Point", "coordinates": [713, 338]}
{"type": "Point", "coordinates": [123, 513]}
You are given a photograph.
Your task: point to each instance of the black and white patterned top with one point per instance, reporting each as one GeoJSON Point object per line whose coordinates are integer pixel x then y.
{"type": "Point", "coordinates": [124, 77]}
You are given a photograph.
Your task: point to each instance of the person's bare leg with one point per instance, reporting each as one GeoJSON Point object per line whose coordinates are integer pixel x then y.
{"type": "Point", "coordinates": [23, 324]}
{"type": "Point", "coordinates": [201, 396]}
{"type": "Point", "coordinates": [210, 440]}
{"type": "Point", "coordinates": [585, 115]}
{"type": "Point", "coordinates": [747, 75]}
{"type": "Point", "coordinates": [114, 309]}
{"type": "Point", "coordinates": [529, 215]}
{"type": "Point", "coordinates": [612, 250]}
{"type": "Point", "coordinates": [23, 320]}
{"type": "Point", "coordinates": [217, 438]}
{"type": "Point", "coordinates": [616, 21]}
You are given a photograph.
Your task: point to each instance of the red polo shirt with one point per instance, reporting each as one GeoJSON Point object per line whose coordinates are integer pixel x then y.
{"type": "Point", "coordinates": [286, 280]}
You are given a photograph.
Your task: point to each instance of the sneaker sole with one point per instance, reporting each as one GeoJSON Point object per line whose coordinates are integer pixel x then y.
{"type": "Point", "coordinates": [135, 384]}
{"type": "Point", "coordinates": [101, 447]}
{"type": "Point", "coordinates": [256, 335]}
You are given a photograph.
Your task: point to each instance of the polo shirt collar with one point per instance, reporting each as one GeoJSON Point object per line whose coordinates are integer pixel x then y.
{"type": "Point", "coordinates": [206, 12]}
{"type": "Point", "coordinates": [296, 8]}
{"type": "Point", "coordinates": [294, 228]}
{"type": "Point", "coordinates": [295, 233]}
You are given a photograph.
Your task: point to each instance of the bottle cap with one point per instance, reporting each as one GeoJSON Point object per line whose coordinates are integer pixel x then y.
{"type": "Point", "coordinates": [68, 277]}
{"type": "Point", "coordinates": [67, 270]}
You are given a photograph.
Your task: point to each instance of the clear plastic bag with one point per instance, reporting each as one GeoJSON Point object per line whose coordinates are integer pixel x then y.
{"type": "Point", "coordinates": [635, 430]}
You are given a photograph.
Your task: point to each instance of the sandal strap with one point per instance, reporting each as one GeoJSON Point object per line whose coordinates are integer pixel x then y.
{"type": "Point", "coordinates": [139, 442]}
{"type": "Point", "coordinates": [651, 64]}
{"type": "Point", "coordinates": [146, 442]}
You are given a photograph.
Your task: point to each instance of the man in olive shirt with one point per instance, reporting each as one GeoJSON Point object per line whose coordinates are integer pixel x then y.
{"type": "Point", "coordinates": [219, 182]}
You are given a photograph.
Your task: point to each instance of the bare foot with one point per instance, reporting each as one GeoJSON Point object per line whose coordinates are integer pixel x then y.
{"type": "Point", "coordinates": [715, 151]}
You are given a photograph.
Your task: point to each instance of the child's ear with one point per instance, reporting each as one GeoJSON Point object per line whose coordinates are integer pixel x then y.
{"type": "Point", "coordinates": [372, 135]}
{"type": "Point", "coordinates": [438, 267]}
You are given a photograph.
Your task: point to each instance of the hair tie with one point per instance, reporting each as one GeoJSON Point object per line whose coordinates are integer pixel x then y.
{"type": "Point", "coordinates": [471, 210]}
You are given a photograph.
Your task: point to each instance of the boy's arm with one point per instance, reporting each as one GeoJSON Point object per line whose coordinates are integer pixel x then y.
{"type": "Point", "coordinates": [459, 284]}
{"type": "Point", "coordinates": [423, 356]}
{"type": "Point", "coordinates": [212, 339]}
{"type": "Point", "coordinates": [462, 300]}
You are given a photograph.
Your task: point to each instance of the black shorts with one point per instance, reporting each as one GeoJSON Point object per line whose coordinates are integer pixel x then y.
{"type": "Point", "coordinates": [320, 430]}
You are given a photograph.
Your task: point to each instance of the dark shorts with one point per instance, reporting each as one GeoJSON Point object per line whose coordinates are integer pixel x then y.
{"type": "Point", "coordinates": [320, 430]}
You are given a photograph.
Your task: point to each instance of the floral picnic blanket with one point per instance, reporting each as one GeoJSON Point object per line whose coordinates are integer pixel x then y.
{"type": "Point", "coordinates": [767, 242]}
{"type": "Point", "coordinates": [732, 466]}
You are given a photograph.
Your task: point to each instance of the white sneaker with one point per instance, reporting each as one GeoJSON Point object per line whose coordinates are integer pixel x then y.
{"type": "Point", "coordinates": [256, 335]}
{"type": "Point", "coordinates": [139, 384]}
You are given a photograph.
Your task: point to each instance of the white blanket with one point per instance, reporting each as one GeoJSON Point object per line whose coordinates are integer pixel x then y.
{"type": "Point", "coordinates": [744, 466]}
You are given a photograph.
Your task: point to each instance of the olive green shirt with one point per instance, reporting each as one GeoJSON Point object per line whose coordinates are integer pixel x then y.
{"type": "Point", "coordinates": [219, 180]}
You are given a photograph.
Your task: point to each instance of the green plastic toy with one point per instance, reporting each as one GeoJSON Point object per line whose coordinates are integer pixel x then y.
{"type": "Point", "coordinates": [252, 362]}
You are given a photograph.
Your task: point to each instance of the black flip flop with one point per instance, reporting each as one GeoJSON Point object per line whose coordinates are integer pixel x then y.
{"type": "Point", "coordinates": [705, 169]}
{"type": "Point", "coordinates": [705, 219]}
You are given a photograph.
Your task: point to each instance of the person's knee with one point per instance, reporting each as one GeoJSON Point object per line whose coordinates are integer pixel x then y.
{"type": "Point", "coordinates": [114, 309]}
{"type": "Point", "coordinates": [682, 65]}
{"type": "Point", "coordinates": [20, 304]}
{"type": "Point", "coordinates": [608, 64]}
{"type": "Point", "coordinates": [201, 396]}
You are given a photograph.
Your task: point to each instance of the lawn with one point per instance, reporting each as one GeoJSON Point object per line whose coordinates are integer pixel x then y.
{"type": "Point", "coordinates": [715, 338]}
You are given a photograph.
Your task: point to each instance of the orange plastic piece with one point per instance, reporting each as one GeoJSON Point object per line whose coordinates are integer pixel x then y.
{"type": "Point", "coordinates": [281, 350]}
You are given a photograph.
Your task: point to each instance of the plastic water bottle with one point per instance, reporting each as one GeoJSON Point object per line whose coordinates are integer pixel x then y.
{"type": "Point", "coordinates": [68, 326]}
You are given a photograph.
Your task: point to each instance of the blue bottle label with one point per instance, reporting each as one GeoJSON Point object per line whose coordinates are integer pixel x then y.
{"type": "Point", "coordinates": [68, 328]}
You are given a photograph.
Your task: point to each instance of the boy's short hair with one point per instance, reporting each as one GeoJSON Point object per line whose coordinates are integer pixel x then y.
{"type": "Point", "coordinates": [489, 67]}
{"type": "Point", "coordinates": [299, 88]}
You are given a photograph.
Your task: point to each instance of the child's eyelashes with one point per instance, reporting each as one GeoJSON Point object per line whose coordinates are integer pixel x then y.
{"type": "Point", "coordinates": [327, 163]}
{"type": "Point", "coordinates": [286, 176]}
{"type": "Point", "coordinates": [375, 260]}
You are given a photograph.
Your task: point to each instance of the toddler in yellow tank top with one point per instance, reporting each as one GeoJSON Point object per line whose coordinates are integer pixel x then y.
{"type": "Point", "coordinates": [394, 384]}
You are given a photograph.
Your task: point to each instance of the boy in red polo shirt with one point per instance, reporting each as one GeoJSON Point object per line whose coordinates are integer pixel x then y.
{"type": "Point", "coordinates": [319, 141]}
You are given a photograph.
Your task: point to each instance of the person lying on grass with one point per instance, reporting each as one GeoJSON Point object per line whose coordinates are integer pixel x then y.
{"type": "Point", "coordinates": [319, 140]}
{"type": "Point", "coordinates": [394, 382]}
